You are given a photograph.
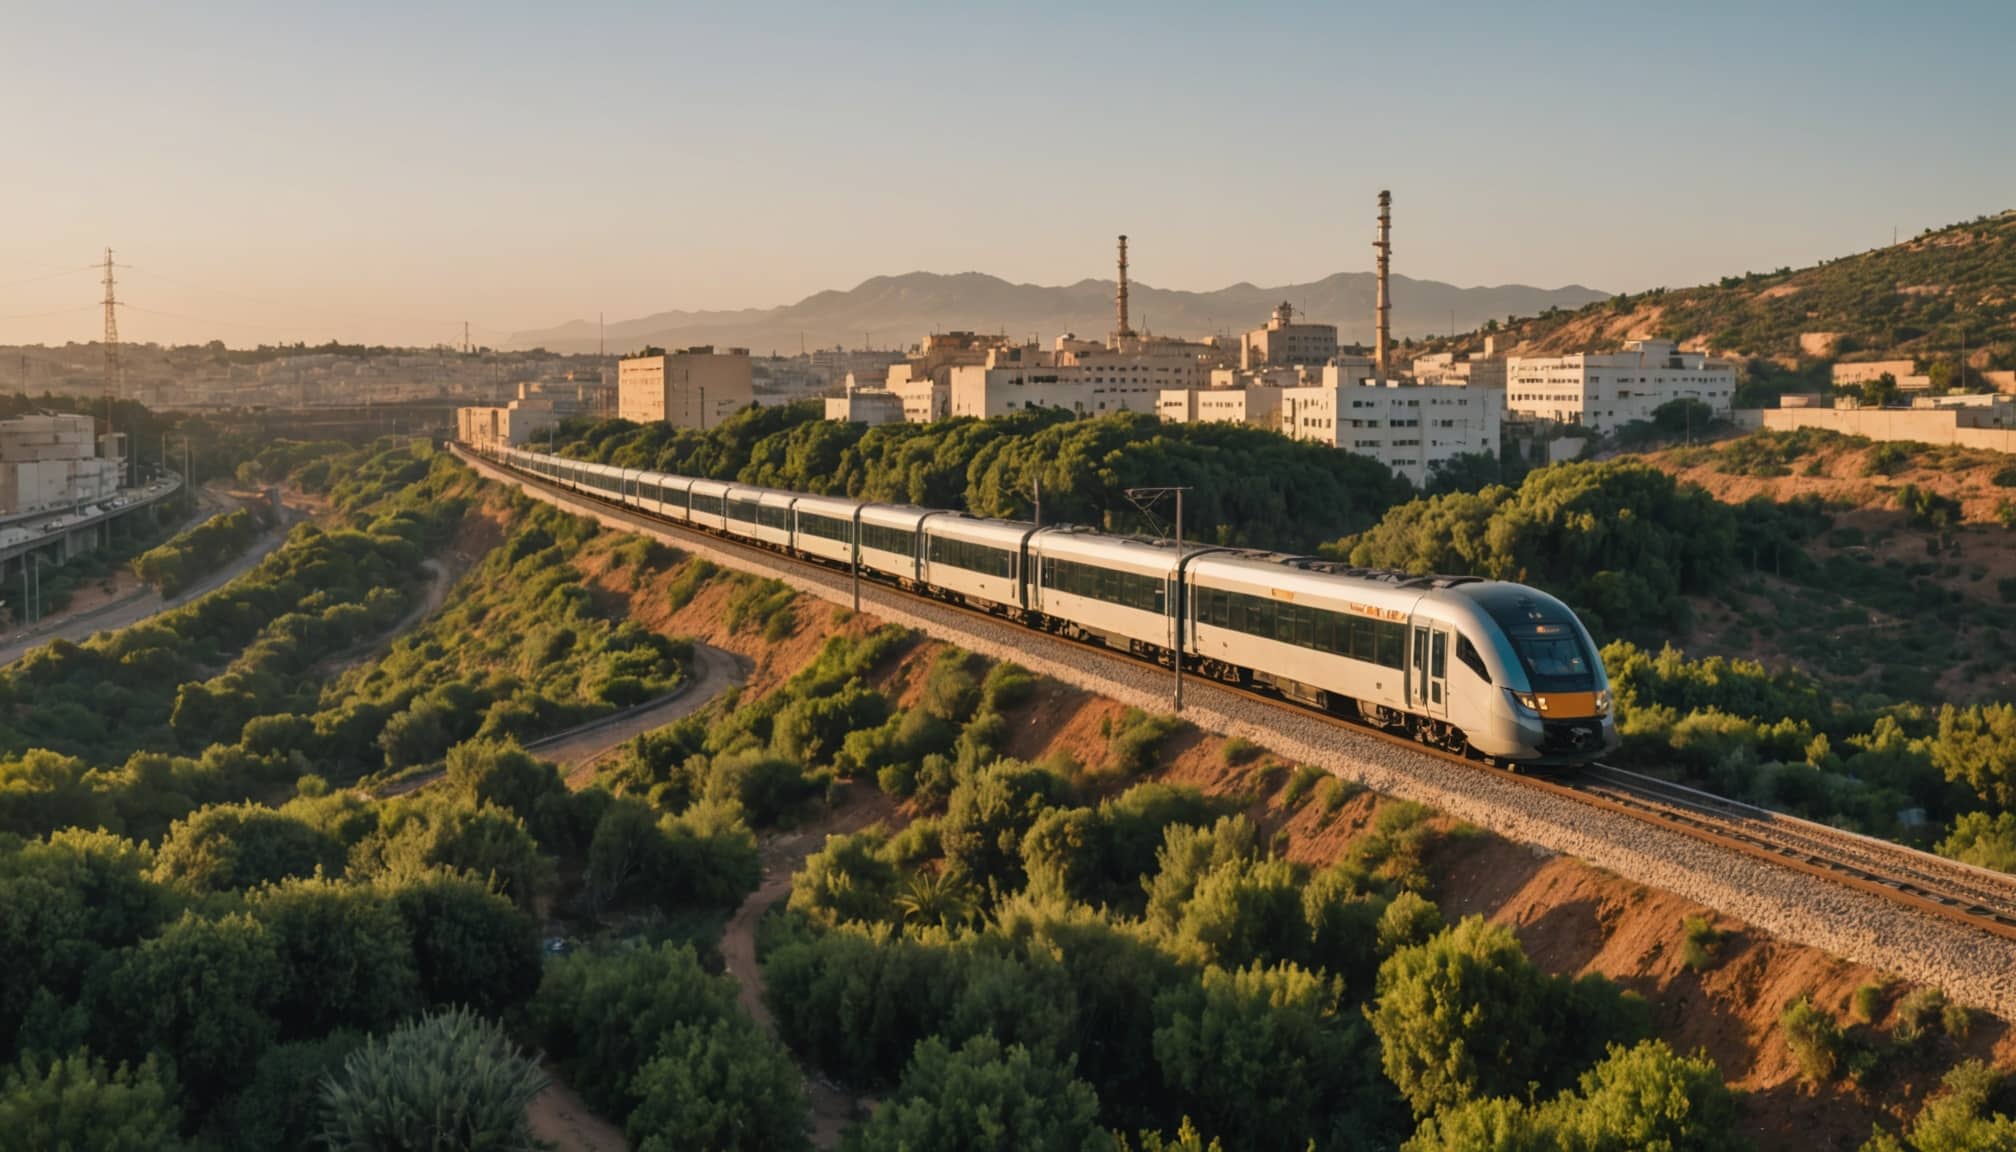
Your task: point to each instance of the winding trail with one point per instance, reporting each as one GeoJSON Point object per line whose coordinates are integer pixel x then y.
{"type": "Point", "coordinates": [832, 1108]}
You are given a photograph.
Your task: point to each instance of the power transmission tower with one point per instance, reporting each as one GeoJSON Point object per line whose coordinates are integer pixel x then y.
{"type": "Point", "coordinates": [114, 375]}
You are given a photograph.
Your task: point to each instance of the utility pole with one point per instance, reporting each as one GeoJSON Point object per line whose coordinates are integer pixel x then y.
{"type": "Point", "coordinates": [114, 372]}
{"type": "Point", "coordinates": [1146, 499]}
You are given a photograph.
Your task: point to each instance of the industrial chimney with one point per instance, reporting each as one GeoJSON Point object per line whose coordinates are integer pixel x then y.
{"type": "Point", "coordinates": [1120, 299]}
{"type": "Point", "coordinates": [1384, 247]}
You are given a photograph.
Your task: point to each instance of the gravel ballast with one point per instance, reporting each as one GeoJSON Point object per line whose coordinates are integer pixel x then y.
{"type": "Point", "coordinates": [1971, 966]}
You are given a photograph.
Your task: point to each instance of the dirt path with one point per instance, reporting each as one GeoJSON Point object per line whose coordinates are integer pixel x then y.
{"type": "Point", "coordinates": [560, 1117]}
{"type": "Point", "coordinates": [832, 1108]}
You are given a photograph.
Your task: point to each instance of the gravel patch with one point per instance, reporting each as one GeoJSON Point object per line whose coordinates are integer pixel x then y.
{"type": "Point", "coordinates": [1971, 966]}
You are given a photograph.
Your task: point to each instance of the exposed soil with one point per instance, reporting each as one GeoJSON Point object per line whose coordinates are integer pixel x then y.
{"type": "Point", "coordinates": [860, 806]}
{"type": "Point", "coordinates": [559, 1116]}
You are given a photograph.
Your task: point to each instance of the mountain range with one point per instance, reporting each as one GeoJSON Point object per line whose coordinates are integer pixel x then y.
{"type": "Point", "coordinates": [896, 311]}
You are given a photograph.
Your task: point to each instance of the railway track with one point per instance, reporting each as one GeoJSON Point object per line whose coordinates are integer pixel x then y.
{"type": "Point", "coordinates": [1946, 889]}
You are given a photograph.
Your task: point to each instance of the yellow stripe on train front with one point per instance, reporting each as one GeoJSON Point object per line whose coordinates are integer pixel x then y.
{"type": "Point", "coordinates": [1567, 705]}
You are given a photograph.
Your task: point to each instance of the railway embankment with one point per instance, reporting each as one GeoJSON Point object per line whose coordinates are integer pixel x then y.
{"type": "Point", "coordinates": [1973, 967]}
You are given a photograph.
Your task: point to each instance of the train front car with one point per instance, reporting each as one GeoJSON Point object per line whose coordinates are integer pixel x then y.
{"type": "Point", "coordinates": [1534, 690]}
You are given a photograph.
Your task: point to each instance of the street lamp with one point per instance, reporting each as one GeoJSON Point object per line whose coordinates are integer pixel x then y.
{"type": "Point", "coordinates": [1145, 499]}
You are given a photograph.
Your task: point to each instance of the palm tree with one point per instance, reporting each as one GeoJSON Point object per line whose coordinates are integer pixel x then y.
{"type": "Point", "coordinates": [940, 898]}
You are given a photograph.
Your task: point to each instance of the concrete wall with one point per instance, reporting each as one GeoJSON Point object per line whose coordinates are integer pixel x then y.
{"type": "Point", "coordinates": [1924, 425]}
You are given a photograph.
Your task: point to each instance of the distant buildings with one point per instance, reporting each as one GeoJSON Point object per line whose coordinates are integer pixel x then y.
{"type": "Point", "coordinates": [1605, 391]}
{"type": "Point", "coordinates": [866, 406]}
{"type": "Point", "coordinates": [537, 410]}
{"type": "Point", "coordinates": [1077, 376]}
{"type": "Point", "coordinates": [1410, 428]}
{"type": "Point", "coordinates": [1282, 341]}
{"type": "Point", "coordinates": [52, 462]}
{"type": "Point", "coordinates": [1903, 372]}
{"type": "Point", "coordinates": [690, 388]}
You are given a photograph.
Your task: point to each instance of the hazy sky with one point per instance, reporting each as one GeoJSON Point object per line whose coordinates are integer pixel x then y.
{"type": "Point", "coordinates": [378, 171]}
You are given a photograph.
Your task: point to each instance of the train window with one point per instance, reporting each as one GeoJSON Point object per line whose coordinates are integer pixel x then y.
{"type": "Point", "coordinates": [981, 558]}
{"type": "Point", "coordinates": [901, 541]}
{"type": "Point", "coordinates": [1392, 643]}
{"type": "Point", "coordinates": [771, 516]}
{"type": "Point", "coordinates": [1438, 655]}
{"type": "Point", "coordinates": [1471, 658]}
{"type": "Point", "coordinates": [1364, 640]}
{"type": "Point", "coordinates": [710, 505]}
{"type": "Point", "coordinates": [742, 510]}
{"type": "Point", "coordinates": [824, 527]}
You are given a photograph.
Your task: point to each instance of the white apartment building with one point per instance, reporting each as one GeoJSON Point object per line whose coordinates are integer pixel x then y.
{"type": "Point", "coordinates": [1407, 427]}
{"type": "Point", "coordinates": [1283, 341]}
{"type": "Point", "coordinates": [518, 422]}
{"type": "Point", "coordinates": [1448, 368]}
{"type": "Point", "coordinates": [1089, 382]}
{"type": "Point", "coordinates": [1605, 391]}
{"type": "Point", "coordinates": [691, 388]}
{"type": "Point", "coordinates": [52, 462]}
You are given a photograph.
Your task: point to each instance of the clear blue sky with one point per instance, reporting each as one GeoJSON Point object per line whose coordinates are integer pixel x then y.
{"type": "Point", "coordinates": [371, 171]}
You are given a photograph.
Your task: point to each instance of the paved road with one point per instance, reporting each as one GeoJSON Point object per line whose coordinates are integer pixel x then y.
{"type": "Point", "coordinates": [133, 609]}
{"type": "Point", "coordinates": [578, 748]}
{"type": "Point", "coordinates": [712, 672]}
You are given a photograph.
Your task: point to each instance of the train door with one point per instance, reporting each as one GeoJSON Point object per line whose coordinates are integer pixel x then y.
{"type": "Point", "coordinates": [1431, 668]}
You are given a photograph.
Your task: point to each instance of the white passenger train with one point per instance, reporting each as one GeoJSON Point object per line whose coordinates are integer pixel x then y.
{"type": "Point", "coordinates": [1492, 667]}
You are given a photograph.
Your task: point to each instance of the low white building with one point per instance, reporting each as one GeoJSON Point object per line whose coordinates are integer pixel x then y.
{"type": "Point", "coordinates": [1283, 341]}
{"type": "Point", "coordinates": [866, 406]}
{"type": "Point", "coordinates": [1088, 382]}
{"type": "Point", "coordinates": [1407, 427]}
{"type": "Point", "coordinates": [505, 425]}
{"type": "Point", "coordinates": [1605, 391]}
{"type": "Point", "coordinates": [1448, 368]}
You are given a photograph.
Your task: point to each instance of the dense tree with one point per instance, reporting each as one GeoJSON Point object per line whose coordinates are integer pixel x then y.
{"type": "Point", "coordinates": [471, 946]}
{"type": "Point", "coordinates": [77, 1103]}
{"type": "Point", "coordinates": [1645, 1097]}
{"type": "Point", "coordinates": [603, 1016]}
{"type": "Point", "coordinates": [1461, 1016]}
{"type": "Point", "coordinates": [277, 1109]}
{"type": "Point", "coordinates": [227, 846]}
{"type": "Point", "coordinates": [1977, 747]}
{"type": "Point", "coordinates": [1621, 541]}
{"type": "Point", "coordinates": [984, 1098]}
{"type": "Point", "coordinates": [347, 957]}
{"type": "Point", "coordinates": [451, 1079]}
{"type": "Point", "coordinates": [722, 1085]}
{"type": "Point", "coordinates": [1962, 1118]}
{"type": "Point", "coordinates": [199, 992]}
{"type": "Point", "coordinates": [1983, 841]}
{"type": "Point", "coordinates": [1267, 1057]}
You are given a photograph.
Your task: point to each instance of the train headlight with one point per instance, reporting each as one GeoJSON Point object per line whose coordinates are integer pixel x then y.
{"type": "Point", "coordinates": [1603, 702]}
{"type": "Point", "coordinates": [1523, 703]}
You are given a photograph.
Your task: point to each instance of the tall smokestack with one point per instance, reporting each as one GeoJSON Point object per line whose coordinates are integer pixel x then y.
{"type": "Point", "coordinates": [1384, 247]}
{"type": "Point", "coordinates": [1120, 298]}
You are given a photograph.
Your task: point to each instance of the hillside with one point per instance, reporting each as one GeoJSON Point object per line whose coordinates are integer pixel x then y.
{"type": "Point", "coordinates": [896, 310]}
{"type": "Point", "coordinates": [1916, 299]}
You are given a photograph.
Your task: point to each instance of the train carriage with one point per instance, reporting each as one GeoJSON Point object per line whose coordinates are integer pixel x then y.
{"type": "Point", "coordinates": [600, 479]}
{"type": "Point", "coordinates": [1116, 589]}
{"type": "Point", "coordinates": [672, 495]}
{"type": "Point", "coordinates": [708, 501]}
{"type": "Point", "coordinates": [825, 527]}
{"type": "Point", "coordinates": [773, 517]}
{"type": "Point", "coordinates": [980, 560]}
{"type": "Point", "coordinates": [891, 535]}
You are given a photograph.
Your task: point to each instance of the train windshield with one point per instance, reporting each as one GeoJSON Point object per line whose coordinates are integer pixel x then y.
{"type": "Point", "coordinates": [1555, 661]}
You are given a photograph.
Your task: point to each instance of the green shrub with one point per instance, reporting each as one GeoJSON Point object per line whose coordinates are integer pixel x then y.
{"type": "Point", "coordinates": [1332, 792]}
{"type": "Point", "coordinates": [1238, 750]}
{"type": "Point", "coordinates": [687, 584]}
{"type": "Point", "coordinates": [450, 1072]}
{"type": "Point", "coordinates": [1306, 778]}
{"type": "Point", "coordinates": [1815, 1040]}
{"type": "Point", "coordinates": [1867, 1003]}
{"type": "Point", "coordinates": [1007, 686]}
{"type": "Point", "coordinates": [1130, 751]}
{"type": "Point", "coordinates": [1702, 948]}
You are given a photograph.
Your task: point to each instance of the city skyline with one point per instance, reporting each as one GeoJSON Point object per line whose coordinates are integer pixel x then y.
{"type": "Point", "coordinates": [384, 176]}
